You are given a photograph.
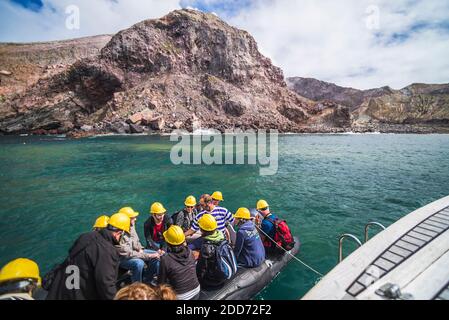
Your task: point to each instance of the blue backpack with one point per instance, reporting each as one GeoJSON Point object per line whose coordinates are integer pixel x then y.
{"type": "Point", "coordinates": [220, 262]}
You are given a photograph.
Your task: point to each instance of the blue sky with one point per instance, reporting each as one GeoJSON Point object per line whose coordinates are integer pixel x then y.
{"type": "Point", "coordinates": [356, 43]}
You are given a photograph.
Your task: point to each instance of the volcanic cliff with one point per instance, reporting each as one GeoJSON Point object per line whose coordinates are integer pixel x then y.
{"type": "Point", "coordinates": [184, 70]}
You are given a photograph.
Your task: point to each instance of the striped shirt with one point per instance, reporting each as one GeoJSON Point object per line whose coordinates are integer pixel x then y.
{"type": "Point", "coordinates": [222, 215]}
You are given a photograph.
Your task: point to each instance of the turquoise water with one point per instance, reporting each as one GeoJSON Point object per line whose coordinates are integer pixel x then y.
{"type": "Point", "coordinates": [52, 189]}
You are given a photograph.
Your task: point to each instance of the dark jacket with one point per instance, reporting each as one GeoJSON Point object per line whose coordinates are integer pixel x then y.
{"type": "Point", "coordinates": [97, 258]}
{"type": "Point", "coordinates": [178, 268]}
{"type": "Point", "coordinates": [148, 229]}
{"type": "Point", "coordinates": [249, 250]}
{"type": "Point", "coordinates": [184, 219]}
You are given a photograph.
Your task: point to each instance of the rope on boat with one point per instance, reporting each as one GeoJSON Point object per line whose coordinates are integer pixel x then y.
{"type": "Point", "coordinates": [296, 258]}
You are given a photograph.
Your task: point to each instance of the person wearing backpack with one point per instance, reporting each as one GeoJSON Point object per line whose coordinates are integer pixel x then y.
{"type": "Point", "coordinates": [249, 250]}
{"type": "Point", "coordinates": [275, 233]}
{"type": "Point", "coordinates": [216, 261]}
{"type": "Point", "coordinates": [178, 266]}
{"type": "Point", "coordinates": [184, 217]}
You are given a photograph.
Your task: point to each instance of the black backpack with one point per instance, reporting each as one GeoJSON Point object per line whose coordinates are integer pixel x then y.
{"type": "Point", "coordinates": [220, 263]}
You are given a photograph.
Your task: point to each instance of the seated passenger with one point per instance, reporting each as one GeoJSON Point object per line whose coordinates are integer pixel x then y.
{"type": "Point", "coordinates": [178, 266]}
{"type": "Point", "coordinates": [216, 261]}
{"type": "Point", "coordinates": [249, 250]}
{"type": "Point", "coordinates": [132, 254]}
{"type": "Point", "coordinates": [222, 216]}
{"type": "Point", "coordinates": [275, 233]}
{"type": "Point", "coordinates": [184, 217]}
{"type": "Point", "coordinates": [155, 226]}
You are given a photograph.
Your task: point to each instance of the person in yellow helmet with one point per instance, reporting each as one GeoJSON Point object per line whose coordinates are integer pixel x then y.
{"type": "Point", "coordinates": [275, 233]}
{"type": "Point", "coordinates": [184, 217]}
{"type": "Point", "coordinates": [178, 266]}
{"type": "Point", "coordinates": [19, 279]}
{"type": "Point", "coordinates": [213, 269]}
{"type": "Point", "coordinates": [133, 256]}
{"type": "Point", "coordinates": [223, 217]}
{"type": "Point", "coordinates": [155, 226]}
{"type": "Point", "coordinates": [248, 249]}
{"type": "Point", "coordinates": [90, 271]}
{"type": "Point", "coordinates": [101, 223]}
{"type": "Point", "coordinates": [217, 196]}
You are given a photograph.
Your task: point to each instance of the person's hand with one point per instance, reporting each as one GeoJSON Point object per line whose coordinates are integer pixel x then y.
{"type": "Point", "coordinates": [161, 252]}
{"type": "Point", "coordinates": [153, 255]}
{"type": "Point", "coordinates": [196, 254]}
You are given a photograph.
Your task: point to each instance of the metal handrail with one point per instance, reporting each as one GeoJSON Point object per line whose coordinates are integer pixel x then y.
{"type": "Point", "coordinates": [340, 244]}
{"type": "Point", "coordinates": [372, 223]}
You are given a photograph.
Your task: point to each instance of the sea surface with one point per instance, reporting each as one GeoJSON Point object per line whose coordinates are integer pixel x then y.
{"type": "Point", "coordinates": [52, 189]}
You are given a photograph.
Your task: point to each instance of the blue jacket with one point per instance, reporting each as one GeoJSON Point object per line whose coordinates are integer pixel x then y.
{"type": "Point", "coordinates": [249, 250]}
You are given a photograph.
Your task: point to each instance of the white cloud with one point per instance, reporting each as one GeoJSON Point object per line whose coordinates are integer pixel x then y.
{"type": "Point", "coordinates": [18, 24]}
{"type": "Point", "coordinates": [329, 40]}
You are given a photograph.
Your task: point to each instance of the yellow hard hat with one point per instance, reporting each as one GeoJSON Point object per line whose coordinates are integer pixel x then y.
{"type": "Point", "coordinates": [120, 221]}
{"type": "Point", "coordinates": [101, 222]}
{"type": "Point", "coordinates": [174, 235]}
{"type": "Point", "coordinates": [217, 196]}
{"type": "Point", "coordinates": [242, 213]}
{"type": "Point", "coordinates": [207, 222]}
{"type": "Point", "coordinates": [157, 208]}
{"type": "Point", "coordinates": [262, 204]}
{"type": "Point", "coordinates": [190, 201]}
{"type": "Point", "coordinates": [129, 212]}
{"type": "Point", "coordinates": [20, 268]}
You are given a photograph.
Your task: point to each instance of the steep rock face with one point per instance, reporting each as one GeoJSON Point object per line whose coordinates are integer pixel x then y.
{"type": "Point", "coordinates": [415, 108]}
{"type": "Point", "coordinates": [187, 68]}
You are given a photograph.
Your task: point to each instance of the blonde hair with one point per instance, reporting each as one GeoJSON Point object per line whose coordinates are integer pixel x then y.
{"type": "Point", "coordinates": [141, 291]}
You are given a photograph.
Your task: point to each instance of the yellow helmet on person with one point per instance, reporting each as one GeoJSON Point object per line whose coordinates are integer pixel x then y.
{"type": "Point", "coordinates": [129, 212]}
{"type": "Point", "coordinates": [217, 195]}
{"type": "Point", "coordinates": [174, 235]}
{"type": "Point", "coordinates": [207, 222]}
{"type": "Point", "coordinates": [157, 208]}
{"type": "Point", "coordinates": [242, 213]}
{"type": "Point", "coordinates": [120, 221]}
{"type": "Point", "coordinates": [20, 269]}
{"type": "Point", "coordinates": [262, 204]}
{"type": "Point", "coordinates": [190, 201]}
{"type": "Point", "coordinates": [101, 222]}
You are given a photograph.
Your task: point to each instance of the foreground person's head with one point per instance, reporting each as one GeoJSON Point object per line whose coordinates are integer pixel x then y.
{"type": "Point", "coordinates": [19, 276]}
{"type": "Point", "coordinates": [141, 291]}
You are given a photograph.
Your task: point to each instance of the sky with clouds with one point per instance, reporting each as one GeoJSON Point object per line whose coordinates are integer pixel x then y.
{"type": "Point", "coordinates": [358, 43]}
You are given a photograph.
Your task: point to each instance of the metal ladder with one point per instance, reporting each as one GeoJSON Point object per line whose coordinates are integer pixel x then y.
{"type": "Point", "coordinates": [353, 237]}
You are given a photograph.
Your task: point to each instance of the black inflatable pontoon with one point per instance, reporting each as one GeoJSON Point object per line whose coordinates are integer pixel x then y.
{"type": "Point", "coordinates": [247, 283]}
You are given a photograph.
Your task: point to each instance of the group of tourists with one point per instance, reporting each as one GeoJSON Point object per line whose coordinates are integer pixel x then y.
{"type": "Point", "coordinates": [199, 247]}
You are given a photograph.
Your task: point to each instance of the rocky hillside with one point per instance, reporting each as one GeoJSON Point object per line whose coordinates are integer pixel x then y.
{"type": "Point", "coordinates": [21, 65]}
{"type": "Point", "coordinates": [184, 70]}
{"type": "Point", "coordinates": [415, 108]}
{"type": "Point", "coordinates": [189, 70]}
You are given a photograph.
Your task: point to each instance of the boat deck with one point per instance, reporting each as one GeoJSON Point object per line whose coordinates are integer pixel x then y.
{"type": "Point", "coordinates": [412, 253]}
